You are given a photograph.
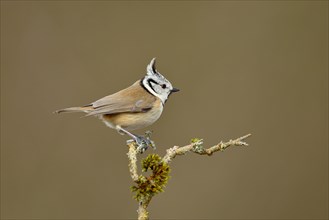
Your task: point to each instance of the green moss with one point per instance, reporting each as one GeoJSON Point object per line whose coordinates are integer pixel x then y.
{"type": "Point", "coordinates": [195, 140]}
{"type": "Point", "coordinates": [149, 186]}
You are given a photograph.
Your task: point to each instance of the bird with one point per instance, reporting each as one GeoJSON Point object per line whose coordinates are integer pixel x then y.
{"type": "Point", "coordinates": [132, 108]}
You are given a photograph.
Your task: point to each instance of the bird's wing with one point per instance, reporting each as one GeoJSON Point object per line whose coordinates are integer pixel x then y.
{"type": "Point", "coordinates": [132, 99]}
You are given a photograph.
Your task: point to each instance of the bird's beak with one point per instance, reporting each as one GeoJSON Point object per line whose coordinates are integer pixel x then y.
{"type": "Point", "coordinates": [175, 90]}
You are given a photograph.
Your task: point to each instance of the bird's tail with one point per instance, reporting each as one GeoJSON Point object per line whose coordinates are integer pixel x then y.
{"type": "Point", "coordinates": [85, 109]}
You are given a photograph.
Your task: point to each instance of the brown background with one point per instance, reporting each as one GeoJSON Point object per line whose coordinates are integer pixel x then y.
{"type": "Point", "coordinates": [242, 67]}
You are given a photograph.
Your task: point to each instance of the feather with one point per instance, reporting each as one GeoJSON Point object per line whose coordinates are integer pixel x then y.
{"type": "Point", "coordinates": [132, 99]}
{"type": "Point", "coordinates": [74, 109]}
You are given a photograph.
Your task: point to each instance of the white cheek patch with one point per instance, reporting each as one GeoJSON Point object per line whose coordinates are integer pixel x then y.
{"type": "Point", "coordinates": [163, 96]}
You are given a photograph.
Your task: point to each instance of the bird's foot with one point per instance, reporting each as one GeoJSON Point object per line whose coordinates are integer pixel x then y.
{"type": "Point", "coordinates": [143, 142]}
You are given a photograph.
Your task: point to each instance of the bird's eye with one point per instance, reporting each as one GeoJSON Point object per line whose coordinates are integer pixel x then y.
{"type": "Point", "coordinates": [164, 86]}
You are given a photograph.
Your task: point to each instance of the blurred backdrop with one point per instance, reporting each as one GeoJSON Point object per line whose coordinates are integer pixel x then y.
{"type": "Point", "coordinates": [242, 67]}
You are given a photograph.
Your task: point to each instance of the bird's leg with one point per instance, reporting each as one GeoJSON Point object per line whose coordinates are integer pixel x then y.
{"type": "Point", "coordinates": [143, 142]}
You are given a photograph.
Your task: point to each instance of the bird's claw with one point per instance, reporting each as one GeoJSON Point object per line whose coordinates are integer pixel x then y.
{"type": "Point", "coordinates": [143, 142]}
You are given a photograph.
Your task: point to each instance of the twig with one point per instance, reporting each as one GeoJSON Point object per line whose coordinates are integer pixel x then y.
{"type": "Point", "coordinates": [196, 147]}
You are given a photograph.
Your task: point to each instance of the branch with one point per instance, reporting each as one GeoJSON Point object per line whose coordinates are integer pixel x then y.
{"type": "Point", "coordinates": [196, 147]}
{"type": "Point", "coordinates": [132, 156]}
{"type": "Point", "coordinates": [147, 187]}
